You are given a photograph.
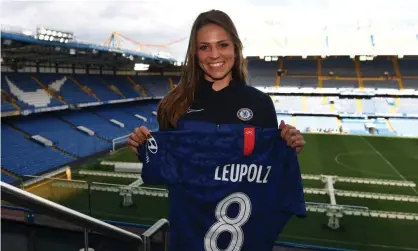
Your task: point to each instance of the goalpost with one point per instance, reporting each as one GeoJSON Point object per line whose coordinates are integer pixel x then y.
{"type": "Point", "coordinates": [118, 141]}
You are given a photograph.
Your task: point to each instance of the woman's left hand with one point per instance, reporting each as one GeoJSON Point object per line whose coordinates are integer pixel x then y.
{"type": "Point", "coordinates": [292, 136]}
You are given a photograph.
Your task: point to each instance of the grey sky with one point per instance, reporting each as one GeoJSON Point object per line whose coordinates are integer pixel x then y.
{"type": "Point", "coordinates": [162, 21]}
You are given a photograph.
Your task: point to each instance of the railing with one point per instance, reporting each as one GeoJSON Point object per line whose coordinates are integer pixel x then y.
{"type": "Point", "coordinates": [20, 197]}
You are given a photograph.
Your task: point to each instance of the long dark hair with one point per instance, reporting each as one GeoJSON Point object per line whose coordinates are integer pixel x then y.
{"type": "Point", "coordinates": [176, 102]}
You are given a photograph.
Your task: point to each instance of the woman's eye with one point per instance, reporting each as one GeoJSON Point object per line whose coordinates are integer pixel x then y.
{"type": "Point", "coordinates": [203, 47]}
{"type": "Point", "coordinates": [224, 45]}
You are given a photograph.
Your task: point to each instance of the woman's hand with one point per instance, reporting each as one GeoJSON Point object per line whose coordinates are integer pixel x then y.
{"type": "Point", "coordinates": [292, 136]}
{"type": "Point", "coordinates": [138, 137]}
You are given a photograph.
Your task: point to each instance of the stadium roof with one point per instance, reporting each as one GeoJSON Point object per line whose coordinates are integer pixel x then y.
{"type": "Point", "coordinates": [20, 48]}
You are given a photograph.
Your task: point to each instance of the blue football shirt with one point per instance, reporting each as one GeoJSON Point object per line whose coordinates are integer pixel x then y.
{"type": "Point", "coordinates": [229, 189]}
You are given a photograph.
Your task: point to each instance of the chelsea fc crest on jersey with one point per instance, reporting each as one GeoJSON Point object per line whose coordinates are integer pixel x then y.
{"type": "Point", "coordinates": [245, 114]}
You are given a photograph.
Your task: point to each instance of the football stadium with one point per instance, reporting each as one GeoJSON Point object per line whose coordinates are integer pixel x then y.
{"type": "Point", "coordinates": [67, 108]}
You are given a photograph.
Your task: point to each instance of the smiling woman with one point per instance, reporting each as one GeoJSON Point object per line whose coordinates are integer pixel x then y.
{"type": "Point", "coordinates": [212, 93]}
{"type": "Point", "coordinates": [213, 85]}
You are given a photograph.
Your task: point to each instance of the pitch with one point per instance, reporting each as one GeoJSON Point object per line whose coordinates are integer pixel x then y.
{"type": "Point", "coordinates": [383, 158]}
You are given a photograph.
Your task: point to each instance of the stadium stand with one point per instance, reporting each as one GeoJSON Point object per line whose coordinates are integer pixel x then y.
{"type": "Point", "coordinates": [155, 86]}
{"type": "Point", "coordinates": [102, 127]}
{"type": "Point", "coordinates": [405, 127]}
{"type": "Point", "coordinates": [23, 156]}
{"type": "Point", "coordinates": [408, 105]}
{"type": "Point", "coordinates": [327, 95]}
{"type": "Point", "coordinates": [355, 126]}
{"type": "Point", "coordinates": [63, 135]}
{"type": "Point", "coordinates": [100, 88]}
{"type": "Point", "coordinates": [262, 73]}
{"type": "Point", "coordinates": [316, 124]}
{"type": "Point", "coordinates": [7, 178]}
{"type": "Point", "coordinates": [342, 67]}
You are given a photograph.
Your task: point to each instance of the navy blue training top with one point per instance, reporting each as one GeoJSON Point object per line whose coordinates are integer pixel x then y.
{"type": "Point", "coordinates": [238, 103]}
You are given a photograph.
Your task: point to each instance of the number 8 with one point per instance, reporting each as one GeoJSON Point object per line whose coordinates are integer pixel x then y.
{"type": "Point", "coordinates": [227, 224]}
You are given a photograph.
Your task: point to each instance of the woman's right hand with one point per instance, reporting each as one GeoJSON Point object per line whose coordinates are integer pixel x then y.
{"type": "Point", "coordinates": [138, 137]}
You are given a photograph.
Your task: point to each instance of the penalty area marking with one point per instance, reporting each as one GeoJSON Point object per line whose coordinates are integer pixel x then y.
{"type": "Point", "coordinates": [338, 161]}
{"type": "Point", "coordinates": [388, 162]}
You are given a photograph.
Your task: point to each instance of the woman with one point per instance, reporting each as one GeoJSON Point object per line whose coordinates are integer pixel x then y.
{"type": "Point", "coordinates": [213, 86]}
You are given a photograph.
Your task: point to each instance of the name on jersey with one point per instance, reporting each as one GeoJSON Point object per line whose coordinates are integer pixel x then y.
{"type": "Point", "coordinates": [241, 172]}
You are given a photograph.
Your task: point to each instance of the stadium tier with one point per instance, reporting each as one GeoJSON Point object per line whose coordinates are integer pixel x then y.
{"type": "Point", "coordinates": [67, 135]}
{"type": "Point", "coordinates": [39, 143]}
{"type": "Point", "coordinates": [63, 121]}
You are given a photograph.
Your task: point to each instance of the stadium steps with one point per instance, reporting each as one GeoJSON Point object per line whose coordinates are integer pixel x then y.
{"type": "Point", "coordinates": [293, 121]}
{"type": "Point", "coordinates": [359, 106]}
{"type": "Point", "coordinates": [358, 73]}
{"type": "Point", "coordinates": [398, 102]}
{"type": "Point", "coordinates": [113, 88]}
{"type": "Point", "coordinates": [389, 126]}
{"type": "Point", "coordinates": [278, 79]}
{"type": "Point", "coordinates": [137, 86]}
{"type": "Point", "coordinates": [332, 107]}
{"type": "Point", "coordinates": [338, 122]}
{"type": "Point", "coordinates": [170, 80]}
{"type": "Point", "coordinates": [11, 100]}
{"type": "Point", "coordinates": [319, 72]}
{"type": "Point", "coordinates": [277, 82]}
{"type": "Point", "coordinates": [304, 104]}
{"type": "Point", "coordinates": [75, 128]}
{"type": "Point", "coordinates": [84, 88]}
{"type": "Point", "coordinates": [398, 72]}
{"type": "Point", "coordinates": [11, 174]}
{"type": "Point", "coordinates": [52, 94]}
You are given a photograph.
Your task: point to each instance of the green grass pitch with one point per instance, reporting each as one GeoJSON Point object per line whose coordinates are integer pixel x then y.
{"type": "Point", "coordinates": [350, 156]}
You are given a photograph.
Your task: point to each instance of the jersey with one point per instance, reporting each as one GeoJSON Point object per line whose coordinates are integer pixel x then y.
{"type": "Point", "coordinates": [229, 188]}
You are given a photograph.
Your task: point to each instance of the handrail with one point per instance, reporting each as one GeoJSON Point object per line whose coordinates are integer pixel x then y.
{"type": "Point", "coordinates": [20, 197]}
{"type": "Point", "coordinates": [160, 226]}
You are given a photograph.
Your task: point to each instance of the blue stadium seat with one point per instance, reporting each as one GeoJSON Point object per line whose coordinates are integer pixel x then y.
{"type": "Point", "coordinates": [102, 127]}
{"type": "Point", "coordinates": [26, 157]}
{"type": "Point", "coordinates": [6, 178]}
{"type": "Point", "coordinates": [343, 67]}
{"type": "Point", "coordinates": [7, 107]}
{"type": "Point", "coordinates": [355, 126]}
{"type": "Point", "coordinates": [27, 91]}
{"type": "Point", "coordinates": [63, 135]}
{"type": "Point", "coordinates": [69, 90]}
{"type": "Point", "coordinates": [154, 85]}
{"type": "Point", "coordinates": [405, 126]}
{"type": "Point", "coordinates": [301, 67]}
{"type": "Point", "coordinates": [124, 86]}
{"type": "Point", "coordinates": [103, 92]}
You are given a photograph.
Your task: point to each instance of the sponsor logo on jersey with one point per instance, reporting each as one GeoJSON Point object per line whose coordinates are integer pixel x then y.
{"type": "Point", "coordinates": [245, 114]}
{"type": "Point", "coordinates": [152, 145]}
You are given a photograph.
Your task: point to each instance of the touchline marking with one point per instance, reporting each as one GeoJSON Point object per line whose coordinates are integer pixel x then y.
{"type": "Point", "coordinates": [348, 242]}
{"type": "Point", "coordinates": [387, 162]}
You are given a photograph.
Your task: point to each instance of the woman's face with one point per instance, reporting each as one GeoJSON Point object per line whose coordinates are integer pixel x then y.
{"type": "Point", "coordinates": [215, 52]}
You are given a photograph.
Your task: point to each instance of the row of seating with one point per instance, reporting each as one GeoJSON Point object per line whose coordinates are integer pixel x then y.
{"type": "Point", "coordinates": [28, 90]}
{"type": "Point", "coordinates": [315, 104]}
{"type": "Point", "coordinates": [6, 178]}
{"type": "Point", "coordinates": [23, 155]}
{"type": "Point", "coordinates": [264, 81]}
{"type": "Point", "coordinates": [343, 67]}
{"type": "Point", "coordinates": [390, 127]}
